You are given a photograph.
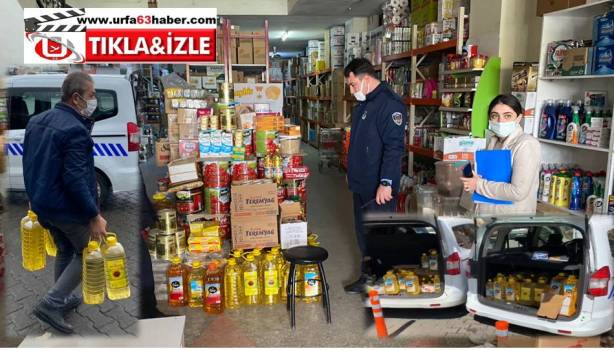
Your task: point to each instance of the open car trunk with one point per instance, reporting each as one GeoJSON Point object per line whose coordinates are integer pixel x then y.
{"type": "Point", "coordinates": [531, 251]}
{"type": "Point", "coordinates": [397, 243]}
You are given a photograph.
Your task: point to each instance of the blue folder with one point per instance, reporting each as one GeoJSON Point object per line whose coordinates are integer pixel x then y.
{"type": "Point", "coordinates": [495, 166]}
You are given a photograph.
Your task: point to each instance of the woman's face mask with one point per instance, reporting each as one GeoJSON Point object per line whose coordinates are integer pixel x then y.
{"type": "Point", "coordinates": [502, 129]}
{"type": "Point", "coordinates": [503, 120]}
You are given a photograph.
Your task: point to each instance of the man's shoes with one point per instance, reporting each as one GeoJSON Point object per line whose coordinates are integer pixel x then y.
{"type": "Point", "coordinates": [72, 302]}
{"type": "Point", "coordinates": [359, 286]}
{"type": "Point", "coordinates": [53, 317]}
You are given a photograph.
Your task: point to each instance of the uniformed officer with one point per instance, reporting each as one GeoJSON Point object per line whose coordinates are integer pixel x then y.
{"type": "Point", "coordinates": [376, 149]}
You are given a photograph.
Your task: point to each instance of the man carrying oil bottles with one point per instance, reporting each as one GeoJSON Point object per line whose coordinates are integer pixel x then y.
{"type": "Point", "coordinates": [60, 179]}
{"type": "Point", "coordinates": [376, 149]}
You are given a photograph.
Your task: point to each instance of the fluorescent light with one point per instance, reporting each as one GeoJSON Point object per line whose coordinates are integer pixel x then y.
{"type": "Point", "coordinates": [284, 36]}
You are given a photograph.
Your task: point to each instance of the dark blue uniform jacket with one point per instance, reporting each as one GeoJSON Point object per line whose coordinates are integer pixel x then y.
{"type": "Point", "coordinates": [58, 165]}
{"type": "Point", "coordinates": [377, 141]}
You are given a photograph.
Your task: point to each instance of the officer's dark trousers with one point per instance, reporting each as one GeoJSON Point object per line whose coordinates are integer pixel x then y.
{"type": "Point", "coordinates": [362, 206]}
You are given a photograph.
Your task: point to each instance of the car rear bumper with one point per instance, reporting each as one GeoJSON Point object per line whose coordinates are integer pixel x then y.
{"type": "Point", "coordinates": [451, 297]}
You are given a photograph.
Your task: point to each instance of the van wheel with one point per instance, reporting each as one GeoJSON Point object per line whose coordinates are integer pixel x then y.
{"type": "Point", "coordinates": [103, 188]}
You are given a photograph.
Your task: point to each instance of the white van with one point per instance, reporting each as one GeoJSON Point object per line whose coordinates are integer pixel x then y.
{"type": "Point", "coordinates": [400, 241]}
{"type": "Point", "coordinates": [534, 247]}
{"type": "Point", "coordinates": [115, 133]}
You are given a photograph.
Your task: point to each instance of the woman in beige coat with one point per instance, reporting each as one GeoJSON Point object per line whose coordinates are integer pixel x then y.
{"type": "Point", "coordinates": [505, 114]}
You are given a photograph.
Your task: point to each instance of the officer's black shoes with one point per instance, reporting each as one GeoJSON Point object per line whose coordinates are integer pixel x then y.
{"type": "Point", "coordinates": [53, 317]}
{"type": "Point", "coordinates": [359, 286]}
{"type": "Point", "coordinates": [72, 302]}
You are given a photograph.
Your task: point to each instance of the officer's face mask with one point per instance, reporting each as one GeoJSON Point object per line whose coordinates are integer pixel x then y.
{"type": "Point", "coordinates": [359, 95]}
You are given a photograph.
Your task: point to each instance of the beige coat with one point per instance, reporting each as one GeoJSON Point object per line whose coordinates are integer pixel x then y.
{"type": "Point", "coordinates": [526, 159]}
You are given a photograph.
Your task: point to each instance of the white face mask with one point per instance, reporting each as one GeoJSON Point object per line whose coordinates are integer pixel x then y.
{"type": "Point", "coordinates": [359, 95]}
{"type": "Point", "coordinates": [91, 106]}
{"type": "Point", "coordinates": [502, 129]}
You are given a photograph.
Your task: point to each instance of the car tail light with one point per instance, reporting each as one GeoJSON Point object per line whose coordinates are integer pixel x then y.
{"type": "Point", "coordinates": [453, 264]}
{"type": "Point", "coordinates": [568, 332]}
{"type": "Point", "coordinates": [598, 284]}
{"type": "Point", "coordinates": [134, 141]}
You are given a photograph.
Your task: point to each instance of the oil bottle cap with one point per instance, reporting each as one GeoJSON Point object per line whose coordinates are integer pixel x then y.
{"type": "Point", "coordinates": [275, 250]}
{"type": "Point", "coordinates": [212, 266]}
{"type": "Point", "coordinates": [195, 264]}
{"type": "Point", "coordinates": [111, 240]}
{"type": "Point", "coordinates": [270, 257]}
{"type": "Point", "coordinates": [249, 257]}
{"type": "Point", "coordinates": [93, 246]}
{"type": "Point", "coordinates": [30, 213]}
{"type": "Point", "coordinates": [231, 262]}
{"type": "Point", "coordinates": [256, 252]}
{"type": "Point", "coordinates": [176, 260]}
{"type": "Point", "coordinates": [32, 216]}
{"type": "Point", "coordinates": [159, 196]}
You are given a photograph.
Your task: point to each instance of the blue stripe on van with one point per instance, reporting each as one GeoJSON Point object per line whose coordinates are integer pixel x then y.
{"type": "Point", "coordinates": [102, 149]}
{"type": "Point", "coordinates": [121, 149]}
{"type": "Point", "coordinates": [112, 147]}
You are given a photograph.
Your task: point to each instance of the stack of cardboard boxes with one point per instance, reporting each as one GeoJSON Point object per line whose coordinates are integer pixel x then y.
{"type": "Point", "coordinates": [337, 42]}
{"type": "Point", "coordinates": [253, 213]}
{"type": "Point", "coordinates": [524, 88]}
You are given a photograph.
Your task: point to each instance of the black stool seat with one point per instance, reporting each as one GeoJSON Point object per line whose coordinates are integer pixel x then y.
{"type": "Point", "coordinates": [305, 255]}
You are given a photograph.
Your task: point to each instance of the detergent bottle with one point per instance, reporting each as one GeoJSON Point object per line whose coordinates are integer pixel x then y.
{"type": "Point", "coordinates": [93, 284]}
{"type": "Point", "coordinates": [177, 288]}
{"type": "Point", "coordinates": [391, 284]}
{"type": "Point", "coordinates": [233, 284]}
{"type": "Point", "coordinates": [412, 284]}
{"type": "Point", "coordinates": [251, 281]}
{"type": "Point", "coordinates": [214, 293]}
{"type": "Point", "coordinates": [196, 278]}
{"type": "Point", "coordinates": [576, 192]}
{"type": "Point", "coordinates": [50, 247]}
{"type": "Point", "coordinates": [490, 289]}
{"type": "Point", "coordinates": [270, 277]}
{"type": "Point", "coordinates": [527, 292]}
{"type": "Point", "coordinates": [433, 261]}
{"type": "Point", "coordinates": [541, 287]}
{"type": "Point", "coordinates": [118, 286]}
{"type": "Point", "coordinates": [564, 118]}
{"type": "Point", "coordinates": [32, 243]}
{"type": "Point", "coordinates": [570, 295]}
{"type": "Point", "coordinates": [557, 283]}
{"type": "Point", "coordinates": [424, 261]}
{"type": "Point", "coordinates": [547, 120]}
{"type": "Point", "coordinates": [573, 128]}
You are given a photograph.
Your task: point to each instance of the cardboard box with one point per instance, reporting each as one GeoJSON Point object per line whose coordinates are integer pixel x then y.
{"type": "Point", "coordinates": [183, 171]}
{"type": "Point", "coordinates": [524, 76]}
{"type": "Point", "coordinates": [260, 50]}
{"type": "Point", "coordinates": [238, 77]}
{"type": "Point", "coordinates": [462, 148]}
{"type": "Point", "coordinates": [174, 151]}
{"type": "Point", "coordinates": [196, 82]}
{"type": "Point", "coordinates": [254, 199]}
{"type": "Point", "coordinates": [550, 305]}
{"type": "Point", "coordinates": [247, 120]}
{"type": "Point", "coordinates": [337, 31]}
{"type": "Point", "coordinates": [168, 106]}
{"type": "Point", "coordinates": [163, 152]}
{"type": "Point", "coordinates": [577, 61]}
{"type": "Point", "coordinates": [528, 102]}
{"type": "Point", "coordinates": [447, 9]}
{"type": "Point", "coordinates": [187, 116]}
{"type": "Point", "coordinates": [254, 231]}
{"type": "Point", "coordinates": [209, 82]}
{"type": "Point", "coordinates": [189, 131]}
{"type": "Point", "coordinates": [245, 51]}
{"type": "Point", "coordinates": [550, 341]}
{"type": "Point", "coordinates": [546, 6]}
{"type": "Point", "coordinates": [293, 234]}
{"type": "Point", "coordinates": [173, 133]}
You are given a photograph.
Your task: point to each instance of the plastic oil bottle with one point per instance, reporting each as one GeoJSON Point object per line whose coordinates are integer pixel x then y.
{"type": "Point", "coordinates": [251, 283]}
{"type": "Point", "coordinates": [114, 255]}
{"type": "Point", "coordinates": [541, 287]}
{"type": "Point", "coordinates": [270, 277]}
{"type": "Point", "coordinates": [424, 261]}
{"type": "Point", "coordinates": [233, 284]}
{"type": "Point", "coordinates": [401, 274]}
{"type": "Point", "coordinates": [437, 283]}
{"type": "Point", "coordinates": [433, 262]}
{"type": "Point", "coordinates": [527, 292]}
{"type": "Point", "coordinates": [177, 289]}
{"type": "Point", "coordinates": [214, 300]}
{"type": "Point", "coordinates": [490, 289]}
{"type": "Point", "coordinates": [238, 256]}
{"type": "Point", "coordinates": [195, 280]}
{"type": "Point", "coordinates": [512, 290]}
{"type": "Point", "coordinates": [500, 286]}
{"type": "Point", "coordinates": [50, 247]}
{"type": "Point", "coordinates": [312, 286]}
{"type": "Point", "coordinates": [570, 295]}
{"type": "Point", "coordinates": [557, 283]}
{"type": "Point", "coordinates": [412, 284]}
{"type": "Point", "coordinates": [32, 243]}
{"type": "Point", "coordinates": [391, 284]}
{"type": "Point", "coordinates": [93, 284]}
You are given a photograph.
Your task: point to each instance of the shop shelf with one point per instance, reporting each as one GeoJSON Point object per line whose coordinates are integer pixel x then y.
{"type": "Point", "coordinates": [423, 152]}
{"type": "Point", "coordinates": [291, 97]}
{"type": "Point", "coordinates": [455, 131]}
{"type": "Point", "coordinates": [546, 206]}
{"type": "Point", "coordinates": [576, 146]}
{"type": "Point", "coordinates": [422, 102]}
{"type": "Point", "coordinates": [446, 45]}
{"type": "Point", "coordinates": [248, 65]}
{"type": "Point", "coordinates": [457, 90]}
{"type": "Point", "coordinates": [456, 109]}
{"type": "Point", "coordinates": [395, 57]}
{"type": "Point", "coordinates": [462, 71]}
{"type": "Point", "coordinates": [595, 76]}
{"type": "Point", "coordinates": [349, 98]}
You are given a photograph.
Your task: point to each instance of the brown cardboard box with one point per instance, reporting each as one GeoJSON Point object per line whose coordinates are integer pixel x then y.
{"type": "Point", "coordinates": [163, 152]}
{"type": "Point", "coordinates": [289, 210]}
{"type": "Point", "coordinates": [253, 199]}
{"type": "Point", "coordinates": [189, 131]}
{"type": "Point", "coordinates": [187, 116]}
{"type": "Point", "coordinates": [183, 171]}
{"type": "Point", "coordinates": [550, 305]}
{"type": "Point", "coordinates": [546, 6]}
{"type": "Point", "coordinates": [237, 77]}
{"type": "Point", "coordinates": [245, 52]}
{"type": "Point", "coordinates": [524, 76]}
{"type": "Point", "coordinates": [174, 150]}
{"type": "Point", "coordinates": [549, 341]}
{"type": "Point", "coordinates": [260, 50]}
{"type": "Point", "coordinates": [577, 61]}
{"type": "Point", "coordinates": [254, 231]}
{"type": "Point", "coordinates": [173, 133]}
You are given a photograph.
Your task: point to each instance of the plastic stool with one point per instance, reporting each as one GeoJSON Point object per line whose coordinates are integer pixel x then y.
{"type": "Point", "coordinates": [305, 255]}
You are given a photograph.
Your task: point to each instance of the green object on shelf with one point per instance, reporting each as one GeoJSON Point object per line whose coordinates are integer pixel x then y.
{"type": "Point", "coordinates": [488, 88]}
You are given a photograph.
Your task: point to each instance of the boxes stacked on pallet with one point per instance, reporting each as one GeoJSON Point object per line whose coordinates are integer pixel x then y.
{"type": "Point", "coordinates": [337, 42]}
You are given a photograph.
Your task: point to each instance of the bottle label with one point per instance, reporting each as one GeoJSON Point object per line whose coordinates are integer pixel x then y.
{"type": "Point", "coordinates": [388, 283]}
{"type": "Point", "coordinates": [525, 294]}
{"type": "Point", "coordinates": [538, 294]}
{"type": "Point", "coordinates": [568, 288]}
{"type": "Point", "coordinates": [497, 292]}
{"type": "Point", "coordinates": [410, 286]}
{"type": "Point", "coordinates": [213, 294]}
{"type": "Point", "coordinates": [175, 285]}
{"type": "Point", "coordinates": [490, 292]}
{"type": "Point", "coordinates": [271, 282]}
{"type": "Point", "coordinates": [311, 284]}
{"type": "Point", "coordinates": [566, 307]}
{"type": "Point", "coordinates": [433, 264]}
{"type": "Point", "coordinates": [250, 283]}
{"type": "Point", "coordinates": [196, 289]}
{"type": "Point", "coordinates": [510, 294]}
{"type": "Point", "coordinates": [116, 273]}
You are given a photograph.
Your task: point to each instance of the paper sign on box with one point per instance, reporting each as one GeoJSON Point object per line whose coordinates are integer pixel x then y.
{"type": "Point", "coordinates": [293, 234]}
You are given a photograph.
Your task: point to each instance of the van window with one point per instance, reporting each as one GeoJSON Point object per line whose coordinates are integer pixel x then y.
{"type": "Point", "coordinates": [465, 235]}
{"type": "Point", "coordinates": [24, 103]}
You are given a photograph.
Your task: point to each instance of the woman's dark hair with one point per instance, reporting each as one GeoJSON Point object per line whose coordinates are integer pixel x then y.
{"type": "Point", "coordinates": [505, 99]}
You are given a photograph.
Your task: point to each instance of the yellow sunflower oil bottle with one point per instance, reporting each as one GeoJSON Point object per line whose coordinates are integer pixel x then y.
{"type": "Point", "coordinates": [93, 284]}
{"type": "Point", "coordinates": [570, 295]}
{"type": "Point", "coordinates": [214, 299]}
{"type": "Point", "coordinates": [270, 277]}
{"type": "Point", "coordinates": [233, 284]}
{"type": "Point", "coordinates": [490, 289]}
{"type": "Point", "coordinates": [196, 279]}
{"type": "Point", "coordinates": [541, 287]}
{"type": "Point", "coordinates": [527, 292]}
{"type": "Point", "coordinates": [115, 269]}
{"type": "Point", "coordinates": [412, 284]}
{"type": "Point", "coordinates": [401, 274]}
{"type": "Point", "coordinates": [437, 284]}
{"type": "Point", "coordinates": [50, 247]}
{"type": "Point", "coordinates": [424, 261]}
{"type": "Point", "coordinates": [312, 286]}
{"type": "Point", "coordinates": [557, 283]}
{"type": "Point", "coordinates": [500, 286]}
{"type": "Point", "coordinates": [433, 262]}
{"type": "Point", "coordinates": [512, 290]}
{"type": "Point", "coordinates": [238, 256]}
{"type": "Point", "coordinates": [32, 243]}
{"type": "Point", "coordinates": [391, 284]}
{"type": "Point", "coordinates": [251, 284]}
{"type": "Point", "coordinates": [177, 289]}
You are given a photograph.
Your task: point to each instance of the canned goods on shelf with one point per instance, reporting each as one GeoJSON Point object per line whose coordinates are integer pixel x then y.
{"type": "Point", "coordinates": [216, 173]}
{"type": "Point", "coordinates": [181, 241]}
{"type": "Point", "coordinates": [189, 201]}
{"type": "Point", "coordinates": [244, 170]}
{"type": "Point", "coordinates": [217, 200]}
{"type": "Point", "coordinates": [167, 221]}
{"type": "Point", "coordinates": [166, 246]}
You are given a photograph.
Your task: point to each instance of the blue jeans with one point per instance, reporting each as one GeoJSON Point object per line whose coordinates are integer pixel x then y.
{"type": "Point", "coordinates": [363, 205]}
{"type": "Point", "coordinates": [70, 239]}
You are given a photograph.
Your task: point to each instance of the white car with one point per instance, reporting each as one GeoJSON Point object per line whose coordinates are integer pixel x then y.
{"type": "Point", "coordinates": [398, 240]}
{"type": "Point", "coordinates": [115, 133]}
{"type": "Point", "coordinates": [545, 247]}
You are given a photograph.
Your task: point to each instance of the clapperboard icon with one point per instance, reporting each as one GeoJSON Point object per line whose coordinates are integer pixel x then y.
{"type": "Point", "coordinates": [41, 23]}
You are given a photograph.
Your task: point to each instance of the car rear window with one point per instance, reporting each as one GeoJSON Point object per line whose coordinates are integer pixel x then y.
{"type": "Point", "coordinates": [520, 238]}
{"type": "Point", "coordinates": [24, 103]}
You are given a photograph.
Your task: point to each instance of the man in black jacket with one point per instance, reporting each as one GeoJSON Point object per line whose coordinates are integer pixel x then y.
{"type": "Point", "coordinates": [60, 181]}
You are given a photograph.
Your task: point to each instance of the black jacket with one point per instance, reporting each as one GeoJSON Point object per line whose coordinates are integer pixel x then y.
{"type": "Point", "coordinates": [58, 165]}
{"type": "Point", "coordinates": [377, 141]}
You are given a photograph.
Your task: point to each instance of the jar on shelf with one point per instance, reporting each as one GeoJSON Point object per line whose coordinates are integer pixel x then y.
{"type": "Point", "coordinates": [161, 202]}
{"type": "Point", "coordinates": [478, 61]}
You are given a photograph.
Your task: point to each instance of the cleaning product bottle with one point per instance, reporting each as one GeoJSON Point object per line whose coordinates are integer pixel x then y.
{"type": "Point", "coordinates": [270, 277]}
{"type": "Point", "coordinates": [251, 281]}
{"type": "Point", "coordinates": [50, 247]}
{"type": "Point", "coordinates": [576, 192]}
{"type": "Point", "coordinates": [32, 243]}
{"type": "Point", "coordinates": [557, 283]}
{"type": "Point", "coordinates": [490, 289]}
{"type": "Point", "coordinates": [391, 284]}
{"type": "Point", "coordinates": [93, 284]}
{"type": "Point", "coordinates": [412, 284]}
{"type": "Point", "coordinates": [587, 187]}
{"type": "Point", "coordinates": [547, 184]}
{"type": "Point", "coordinates": [588, 116]}
{"type": "Point", "coordinates": [214, 293]}
{"type": "Point", "coordinates": [433, 261]}
{"type": "Point", "coordinates": [512, 290]}
{"type": "Point", "coordinates": [177, 289]}
{"type": "Point", "coordinates": [233, 284]}
{"type": "Point", "coordinates": [527, 291]}
{"type": "Point", "coordinates": [570, 295]}
{"type": "Point", "coordinates": [573, 128]}
{"type": "Point", "coordinates": [564, 117]}
{"type": "Point", "coordinates": [547, 119]}
{"type": "Point", "coordinates": [118, 286]}
{"type": "Point", "coordinates": [424, 261]}
{"type": "Point", "coordinates": [196, 279]}
{"type": "Point", "coordinates": [553, 111]}
{"type": "Point", "coordinates": [541, 287]}
{"type": "Point", "coordinates": [437, 283]}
